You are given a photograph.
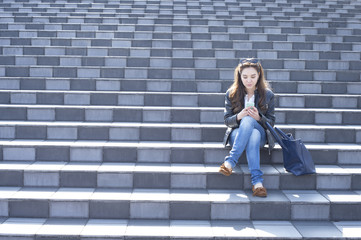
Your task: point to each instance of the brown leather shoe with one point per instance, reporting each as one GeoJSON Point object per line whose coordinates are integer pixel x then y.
{"type": "Point", "coordinates": [225, 171]}
{"type": "Point", "coordinates": [259, 192]}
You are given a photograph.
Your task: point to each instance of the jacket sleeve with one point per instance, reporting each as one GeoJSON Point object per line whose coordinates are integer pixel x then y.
{"type": "Point", "coordinates": [230, 119]}
{"type": "Point", "coordinates": [269, 116]}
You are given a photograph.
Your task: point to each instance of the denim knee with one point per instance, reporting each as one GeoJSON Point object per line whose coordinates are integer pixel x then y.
{"type": "Point", "coordinates": [247, 121]}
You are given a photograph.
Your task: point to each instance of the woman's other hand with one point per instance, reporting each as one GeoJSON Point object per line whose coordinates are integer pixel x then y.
{"type": "Point", "coordinates": [253, 112]}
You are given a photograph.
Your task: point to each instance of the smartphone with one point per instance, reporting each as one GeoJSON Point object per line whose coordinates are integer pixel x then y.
{"type": "Point", "coordinates": [249, 104]}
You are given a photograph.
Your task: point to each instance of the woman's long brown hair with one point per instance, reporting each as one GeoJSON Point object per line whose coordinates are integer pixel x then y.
{"type": "Point", "coordinates": [238, 90]}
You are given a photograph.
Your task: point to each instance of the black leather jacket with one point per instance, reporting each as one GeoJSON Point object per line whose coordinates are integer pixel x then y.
{"type": "Point", "coordinates": [268, 115]}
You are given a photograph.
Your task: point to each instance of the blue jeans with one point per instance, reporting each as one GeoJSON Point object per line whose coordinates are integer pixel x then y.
{"type": "Point", "coordinates": [250, 136]}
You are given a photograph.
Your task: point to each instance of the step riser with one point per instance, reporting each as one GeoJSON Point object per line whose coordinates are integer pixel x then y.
{"type": "Point", "coordinates": [164, 180]}
{"type": "Point", "coordinates": [180, 210]}
{"type": "Point", "coordinates": [58, 15]}
{"type": "Point", "coordinates": [114, 85]}
{"type": "Point", "coordinates": [167, 115]}
{"type": "Point", "coordinates": [171, 86]}
{"type": "Point", "coordinates": [151, 154]}
{"type": "Point", "coordinates": [168, 99]}
{"type": "Point", "coordinates": [166, 39]}
{"type": "Point", "coordinates": [169, 25]}
{"type": "Point", "coordinates": [298, 59]}
{"type": "Point", "coordinates": [175, 73]}
{"type": "Point", "coordinates": [162, 133]}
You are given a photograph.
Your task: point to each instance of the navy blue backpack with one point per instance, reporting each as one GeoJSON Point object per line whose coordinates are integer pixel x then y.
{"type": "Point", "coordinates": [296, 158]}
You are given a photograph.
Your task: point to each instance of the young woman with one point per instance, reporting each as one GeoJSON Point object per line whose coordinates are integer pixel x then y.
{"type": "Point", "coordinates": [249, 103]}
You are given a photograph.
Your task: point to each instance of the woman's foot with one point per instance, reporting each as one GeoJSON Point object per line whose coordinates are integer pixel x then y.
{"type": "Point", "coordinates": [259, 191]}
{"type": "Point", "coordinates": [225, 169]}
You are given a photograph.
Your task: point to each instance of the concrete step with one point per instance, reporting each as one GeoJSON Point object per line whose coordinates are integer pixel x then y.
{"type": "Point", "coordinates": [159, 152]}
{"type": "Point", "coordinates": [51, 66]}
{"type": "Point", "coordinates": [170, 99]}
{"type": "Point", "coordinates": [242, 17]}
{"type": "Point", "coordinates": [175, 132]}
{"type": "Point", "coordinates": [323, 116]}
{"type": "Point", "coordinates": [178, 73]}
{"type": "Point", "coordinates": [232, 17]}
{"type": "Point", "coordinates": [11, 39]}
{"type": "Point", "coordinates": [105, 5]}
{"type": "Point", "coordinates": [170, 85]}
{"type": "Point", "coordinates": [229, 17]}
{"type": "Point", "coordinates": [113, 131]}
{"type": "Point", "coordinates": [171, 176]}
{"type": "Point", "coordinates": [85, 203]}
{"type": "Point", "coordinates": [100, 229]}
{"type": "Point", "coordinates": [199, 56]}
{"type": "Point", "coordinates": [48, 62]}
{"type": "Point", "coordinates": [305, 87]}
{"type": "Point", "coordinates": [273, 18]}
{"type": "Point", "coordinates": [222, 12]}
{"type": "Point", "coordinates": [183, 30]}
{"type": "Point", "coordinates": [153, 85]}
{"type": "Point", "coordinates": [210, 8]}
{"type": "Point", "coordinates": [248, 3]}
{"type": "Point", "coordinates": [348, 30]}
{"type": "Point", "coordinates": [219, 53]}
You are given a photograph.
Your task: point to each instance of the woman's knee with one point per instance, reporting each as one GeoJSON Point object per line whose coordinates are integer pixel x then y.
{"type": "Point", "coordinates": [248, 121]}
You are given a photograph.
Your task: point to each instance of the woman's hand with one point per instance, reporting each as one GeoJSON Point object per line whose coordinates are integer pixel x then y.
{"type": "Point", "coordinates": [253, 112]}
{"type": "Point", "coordinates": [242, 114]}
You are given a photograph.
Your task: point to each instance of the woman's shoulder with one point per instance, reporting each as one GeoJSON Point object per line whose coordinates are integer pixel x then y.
{"type": "Point", "coordinates": [269, 92]}
{"type": "Point", "coordinates": [228, 92]}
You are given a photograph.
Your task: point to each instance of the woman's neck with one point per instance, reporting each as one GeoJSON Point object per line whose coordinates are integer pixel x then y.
{"type": "Point", "coordinates": [250, 93]}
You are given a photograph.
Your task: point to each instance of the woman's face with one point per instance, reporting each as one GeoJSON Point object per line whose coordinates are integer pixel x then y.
{"type": "Point", "coordinates": [249, 78]}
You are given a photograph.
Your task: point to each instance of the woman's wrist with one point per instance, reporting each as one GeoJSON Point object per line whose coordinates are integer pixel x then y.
{"type": "Point", "coordinates": [239, 117]}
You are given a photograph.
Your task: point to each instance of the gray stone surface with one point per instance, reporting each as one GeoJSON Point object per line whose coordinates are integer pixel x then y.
{"type": "Point", "coordinates": [115, 180]}
{"type": "Point", "coordinates": [63, 209]}
{"type": "Point", "coordinates": [62, 133]}
{"type": "Point", "coordinates": [151, 180]}
{"type": "Point", "coordinates": [86, 154]}
{"type": "Point", "coordinates": [11, 178]}
{"type": "Point", "coordinates": [109, 210]}
{"type": "Point", "coordinates": [41, 179]}
{"type": "Point", "coordinates": [149, 210]}
{"type": "Point", "coordinates": [52, 153]}
{"type": "Point", "coordinates": [33, 132]}
{"type": "Point", "coordinates": [19, 154]}
{"type": "Point", "coordinates": [276, 207]}
{"type": "Point", "coordinates": [190, 210]}
{"type": "Point", "coordinates": [29, 208]}
{"type": "Point", "coordinates": [133, 71]}
{"type": "Point", "coordinates": [78, 179]}
{"type": "Point", "coordinates": [41, 114]}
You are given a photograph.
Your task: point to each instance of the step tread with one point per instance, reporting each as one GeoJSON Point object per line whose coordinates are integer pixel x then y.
{"type": "Point", "coordinates": [171, 168]}
{"type": "Point", "coordinates": [170, 229]}
{"type": "Point", "coordinates": [174, 195]}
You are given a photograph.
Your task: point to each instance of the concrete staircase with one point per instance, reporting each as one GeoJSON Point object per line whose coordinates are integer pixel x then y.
{"type": "Point", "coordinates": [112, 118]}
